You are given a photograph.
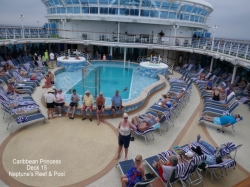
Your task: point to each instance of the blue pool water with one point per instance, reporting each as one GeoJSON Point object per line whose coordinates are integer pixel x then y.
{"type": "Point", "coordinates": [111, 79]}
{"type": "Point", "coordinates": [113, 75]}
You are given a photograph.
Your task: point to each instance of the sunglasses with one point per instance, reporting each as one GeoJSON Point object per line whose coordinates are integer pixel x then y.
{"type": "Point", "coordinates": [137, 160]}
{"type": "Point", "coordinates": [125, 118]}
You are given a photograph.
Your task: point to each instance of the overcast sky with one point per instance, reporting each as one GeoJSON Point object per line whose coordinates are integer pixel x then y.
{"type": "Point", "coordinates": [232, 16]}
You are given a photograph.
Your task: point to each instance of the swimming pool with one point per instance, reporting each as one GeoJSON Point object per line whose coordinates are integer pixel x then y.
{"type": "Point", "coordinates": [113, 77]}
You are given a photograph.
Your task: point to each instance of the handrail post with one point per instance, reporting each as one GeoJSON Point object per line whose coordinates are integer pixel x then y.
{"type": "Point", "coordinates": [224, 47]}
{"type": "Point", "coordinates": [218, 46]}
{"type": "Point", "coordinates": [238, 50]}
{"type": "Point", "coordinates": [230, 49]}
{"type": "Point", "coordinates": [134, 38]}
{"type": "Point", "coordinates": [199, 43]}
{"type": "Point", "coordinates": [246, 52]}
{"type": "Point", "coordinates": [6, 36]}
{"type": "Point", "coordinates": [14, 31]}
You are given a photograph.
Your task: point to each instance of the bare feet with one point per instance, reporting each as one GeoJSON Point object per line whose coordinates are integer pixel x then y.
{"type": "Point", "coordinates": [98, 123]}
{"type": "Point", "coordinates": [126, 158]}
{"type": "Point", "coordinates": [67, 115]}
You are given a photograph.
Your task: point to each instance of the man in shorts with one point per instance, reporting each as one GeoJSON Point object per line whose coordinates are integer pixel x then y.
{"type": "Point", "coordinates": [224, 121]}
{"type": "Point", "coordinates": [87, 105]}
{"type": "Point", "coordinates": [52, 58]}
{"type": "Point", "coordinates": [116, 103]}
{"type": "Point", "coordinates": [75, 98]}
{"type": "Point", "coordinates": [100, 107]}
{"type": "Point", "coordinates": [49, 100]}
{"type": "Point", "coordinates": [59, 101]}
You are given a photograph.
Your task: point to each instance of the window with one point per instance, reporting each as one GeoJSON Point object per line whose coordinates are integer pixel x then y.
{"type": "Point", "coordinates": [68, 2]}
{"type": "Point", "coordinates": [103, 10]}
{"type": "Point", "coordinates": [201, 20]}
{"type": "Point", "coordinates": [165, 5]}
{"type": "Point", "coordinates": [59, 10]}
{"type": "Point", "coordinates": [164, 15]}
{"type": "Point", "coordinates": [154, 14]}
{"type": "Point", "coordinates": [189, 8]}
{"type": "Point", "coordinates": [93, 10]}
{"type": "Point", "coordinates": [185, 16]}
{"type": "Point", "coordinates": [146, 3]}
{"type": "Point", "coordinates": [171, 15]}
{"type": "Point", "coordinates": [183, 8]}
{"type": "Point", "coordinates": [70, 10]}
{"type": "Point", "coordinates": [192, 18]}
{"type": "Point", "coordinates": [134, 12]}
{"type": "Point", "coordinates": [46, 4]}
{"type": "Point", "coordinates": [196, 18]}
{"type": "Point", "coordinates": [92, 1]}
{"type": "Point", "coordinates": [103, 2]}
{"type": "Point", "coordinates": [75, 1]}
{"type": "Point", "coordinates": [180, 16]}
{"type": "Point", "coordinates": [145, 13]}
{"type": "Point", "coordinates": [113, 11]}
{"type": "Point", "coordinates": [63, 10]}
{"type": "Point", "coordinates": [57, 2]}
{"type": "Point", "coordinates": [51, 2]}
{"type": "Point", "coordinates": [174, 6]}
{"type": "Point", "coordinates": [85, 10]}
{"type": "Point", "coordinates": [194, 10]}
{"type": "Point", "coordinates": [199, 11]}
{"type": "Point", "coordinates": [156, 4]}
{"type": "Point", "coordinates": [113, 2]}
{"type": "Point", "coordinates": [84, 2]}
{"type": "Point", "coordinates": [77, 10]}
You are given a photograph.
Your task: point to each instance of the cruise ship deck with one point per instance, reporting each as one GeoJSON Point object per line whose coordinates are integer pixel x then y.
{"type": "Point", "coordinates": [86, 151]}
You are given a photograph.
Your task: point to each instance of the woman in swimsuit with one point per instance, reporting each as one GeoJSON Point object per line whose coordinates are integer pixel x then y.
{"type": "Point", "coordinates": [135, 174]}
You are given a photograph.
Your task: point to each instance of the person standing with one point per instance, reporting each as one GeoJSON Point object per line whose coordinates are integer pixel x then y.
{"type": "Point", "coordinates": [87, 105]}
{"type": "Point", "coordinates": [75, 98]}
{"type": "Point", "coordinates": [44, 61]}
{"type": "Point", "coordinates": [52, 77]}
{"type": "Point", "coordinates": [52, 58]}
{"type": "Point", "coordinates": [50, 99]}
{"type": "Point", "coordinates": [124, 129]}
{"type": "Point", "coordinates": [100, 107]}
{"type": "Point", "coordinates": [59, 102]}
{"type": "Point", "coordinates": [35, 59]}
{"type": "Point", "coordinates": [46, 54]}
{"type": "Point", "coordinates": [116, 103]}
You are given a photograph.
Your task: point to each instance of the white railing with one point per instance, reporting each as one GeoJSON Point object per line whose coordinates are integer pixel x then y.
{"type": "Point", "coordinates": [236, 48]}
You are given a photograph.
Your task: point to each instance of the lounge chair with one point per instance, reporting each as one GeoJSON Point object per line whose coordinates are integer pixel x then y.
{"type": "Point", "coordinates": [125, 166]}
{"type": "Point", "coordinates": [205, 122]}
{"type": "Point", "coordinates": [225, 165]}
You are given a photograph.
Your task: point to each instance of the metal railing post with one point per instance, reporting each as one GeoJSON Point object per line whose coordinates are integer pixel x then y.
{"type": "Point", "coordinates": [238, 50]}
{"type": "Point", "coordinates": [224, 47]}
{"type": "Point", "coordinates": [14, 31]}
{"type": "Point", "coordinates": [218, 46]}
{"type": "Point", "coordinates": [199, 43]}
{"type": "Point", "coordinates": [6, 35]}
{"type": "Point", "coordinates": [246, 51]}
{"type": "Point", "coordinates": [230, 49]}
{"type": "Point", "coordinates": [134, 38]}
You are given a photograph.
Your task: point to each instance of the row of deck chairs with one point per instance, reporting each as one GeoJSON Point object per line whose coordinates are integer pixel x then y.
{"type": "Point", "coordinates": [21, 109]}
{"type": "Point", "coordinates": [184, 172]}
{"type": "Point", "coordinates": [168, 114]}
{"type": "Point", "coordinates": [211, 107]}
{"type": "Point", "coordinates": [225, 153]}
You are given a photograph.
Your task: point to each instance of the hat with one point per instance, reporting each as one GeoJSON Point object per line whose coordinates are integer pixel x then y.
{"type": "Point", "coordinates": [125, 115]}
{"type": "Point", "coordinates": [189, 154]}
{"type": "Point", "coordinates": [184, 89]}
{"type": "Point", "coordinates": [35, 54]}
{"type": "Point", "coordinates": [51, 91]}
{"type": "Point", "coordinates": [87, 91]}
{"type": "Point", "coordinates": [11, 80]}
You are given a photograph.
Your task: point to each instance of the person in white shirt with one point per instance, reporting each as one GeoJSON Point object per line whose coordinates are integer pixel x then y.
{"type": "Point", "coordinates": [50, 99]}
{"type": "Point", "coordinates": [59, 101]}
{"type": "Point", "coordinates": [52, 58]}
